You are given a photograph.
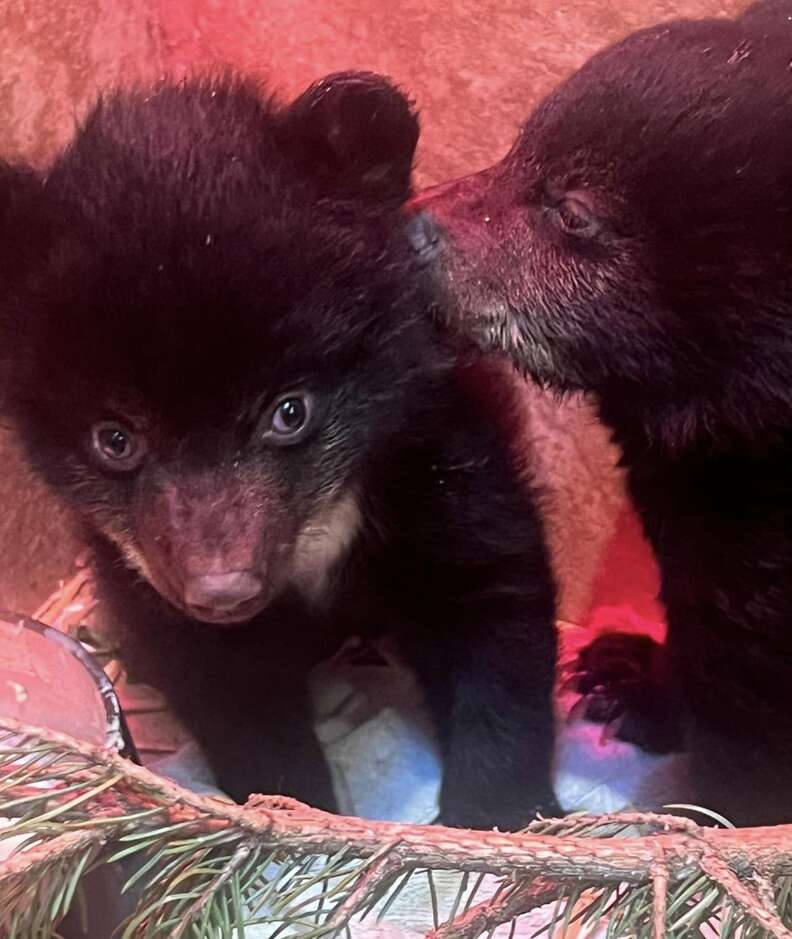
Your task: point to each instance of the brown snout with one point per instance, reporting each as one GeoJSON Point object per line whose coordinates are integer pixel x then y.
{"type": "Point", "coordinates": [207, 538]}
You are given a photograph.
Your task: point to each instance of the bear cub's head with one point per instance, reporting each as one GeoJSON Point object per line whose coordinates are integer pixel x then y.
{"type": "Point", "coordinates": [636, 241]}
{"type": "Point", "coordinates": [213, 328]}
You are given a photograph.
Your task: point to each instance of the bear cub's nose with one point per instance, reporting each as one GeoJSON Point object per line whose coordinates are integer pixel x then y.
{"type": "Point", "coordinates": [424, 236]}
{"type": "Point", "coordinates": [222, 593]}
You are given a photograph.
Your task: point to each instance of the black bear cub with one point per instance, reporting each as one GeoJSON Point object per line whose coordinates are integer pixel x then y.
{"type": "Point", "coordinates": [636, 243]}
{"type": "Point", "coordinates": [217, 348]}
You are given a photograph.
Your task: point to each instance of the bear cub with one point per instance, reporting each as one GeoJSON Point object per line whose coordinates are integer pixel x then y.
{"type": "Point", "coordinates": [635, 244]}
{"type": "Point", "coordinates": [217, 349]}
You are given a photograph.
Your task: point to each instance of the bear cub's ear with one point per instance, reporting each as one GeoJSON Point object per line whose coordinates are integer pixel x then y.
{"type": "Point", "coordinates": [356, 132]}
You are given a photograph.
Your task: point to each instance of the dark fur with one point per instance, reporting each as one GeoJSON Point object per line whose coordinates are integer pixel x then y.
{"type": "Point", "coordinates": [194, 252]}
{"type": "Point", "coordinates": [673, 305]}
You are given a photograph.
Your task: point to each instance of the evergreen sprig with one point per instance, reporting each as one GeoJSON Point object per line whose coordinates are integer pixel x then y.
{"type": "Point", "coordinates": [201, 867]}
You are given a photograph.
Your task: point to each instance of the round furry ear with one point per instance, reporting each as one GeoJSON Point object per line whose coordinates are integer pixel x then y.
{"type": "Point", "coordinates": [356, 132]}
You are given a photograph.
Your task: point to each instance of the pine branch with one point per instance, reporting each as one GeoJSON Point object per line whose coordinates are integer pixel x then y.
{"type": "Point", "coordinates": [381, 870]}
{"type": "Point", "coordinates": [208, 867]}
{"type": "Point", "coordinates": [751, 901]}
{"type": "Point", "coordinates": [621, 860]}
{"type": "Point", "coordinates": [502, 908]}
{"type": "Point", "coordinates": [288, 824]}
{"type": "Point", "coordinates": [659, 874]}
{"type": "Point", "coordinates": [240, 855]}
{"type": "Point", "coordinates": [40, 856]}
{"type": "Point", "coordinates": [37, 885]}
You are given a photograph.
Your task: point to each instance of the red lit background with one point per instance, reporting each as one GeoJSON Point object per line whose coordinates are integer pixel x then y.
{"type": "Point", "coordinates": [474, 67]}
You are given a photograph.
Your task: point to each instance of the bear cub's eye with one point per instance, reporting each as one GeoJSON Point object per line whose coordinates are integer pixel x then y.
{"type": "Point", "coordinates": [117, 446]}
{"type": "Point", "coordinates": [575, 215]}
{"type": "Point", "coordinates": [290, 418]}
